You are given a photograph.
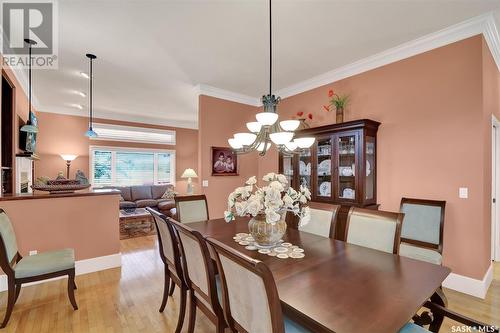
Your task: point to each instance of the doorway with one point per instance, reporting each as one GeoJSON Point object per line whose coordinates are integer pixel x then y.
{"type": "Point", "coordinates": [495, 189]}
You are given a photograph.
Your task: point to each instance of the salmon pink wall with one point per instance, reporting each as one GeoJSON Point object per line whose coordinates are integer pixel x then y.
{"type": "Point", "coordinates": [218, 120]}
{"type": "Point", "coordinates": [63, 134]}
{"type": "Point", "coordinates": [88, 224]}
{"type": "Point", "coordinates": [435, 137]}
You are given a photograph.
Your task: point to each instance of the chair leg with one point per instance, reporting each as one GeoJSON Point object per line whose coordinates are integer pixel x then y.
{"type": "Point", "coordinates": [11, 300]}
{"type": "Point", "coordinates": [171, 291]}
{"type": "Point", "coordinates": [18, 290]}
{"type": "Point", "coordinates": [166, 286]}
{"type": "Point", "coordinates": [71, 288]}
{"type": "Point", "coordinates": [74, 285]}
{"type": "Point", "coordinates": [192, 312]}
{"type": "Point", "coordinates": [182, 309]}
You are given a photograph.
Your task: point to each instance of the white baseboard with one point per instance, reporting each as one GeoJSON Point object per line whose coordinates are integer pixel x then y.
{"type": "Point", "coordinates": [84, 266]}
{"type": "Point", "coordinates": [470, 286]}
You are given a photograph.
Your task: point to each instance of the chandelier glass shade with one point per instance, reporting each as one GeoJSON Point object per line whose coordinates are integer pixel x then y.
{"type": "Point", "coordinates": [267, 129]}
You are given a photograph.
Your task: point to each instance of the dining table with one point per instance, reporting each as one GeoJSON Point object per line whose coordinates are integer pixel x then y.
{"type": "Point", "coordinates": [340, 287]}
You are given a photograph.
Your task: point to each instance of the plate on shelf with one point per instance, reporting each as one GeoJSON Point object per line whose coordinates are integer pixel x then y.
{"type": "Point", "coordinates": [325, 189]}
{"type": "Point", "coordinates": [346, 171]}
{"type": "Point", "coordinates": [324, 168]}
{"type": "Point", "coordinates": [348, 193]}
{"type": "Point", "coordinates": [302, 167]}
{"type": "Point", "coordinates": [368, 169]}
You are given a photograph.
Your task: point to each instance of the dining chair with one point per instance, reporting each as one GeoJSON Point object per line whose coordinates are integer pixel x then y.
{"type": "Point", "coordinates": [422, 232]}
{"type": "Point", "coordinates": [168, 245]}
{"type": "Point", "coordinates": [38, 267]}
{"type": "Point", "coordinates": [191, 208]}
{"type": "Point", "coordinates": [323, 219]}
{"type": "Point", "coordinates": [199, 275]}
{"type": "Point", "coordinates": [375, 229]}
{"type": "Point", "coordinates": [249, 295]}
{"type": "Point", "coordinates": [474, 325]}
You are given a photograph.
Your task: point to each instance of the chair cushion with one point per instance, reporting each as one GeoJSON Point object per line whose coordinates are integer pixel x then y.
{"type": "Point", "coordinates": [293, 327]}
{"type": "Point", "coordinates": [44, 263]}
{"type": "Point", "coordinates": [141, 192]}
{"type": "Point", "coordinates": [8, 235]}
{"type": "Point", "coordinates": [413, 328]}
{"type": "Point", "coordinates": [158, 190]}
{"type": "Point", "coordinates": [420, 253]}
{"type": "Point", "coordinates": [127, 204]}
{"type": "Point", "coordinates": [146, 203]}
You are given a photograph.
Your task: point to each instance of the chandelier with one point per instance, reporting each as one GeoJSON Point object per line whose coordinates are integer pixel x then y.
{"type": "Point", "coordinates": [267, 129]}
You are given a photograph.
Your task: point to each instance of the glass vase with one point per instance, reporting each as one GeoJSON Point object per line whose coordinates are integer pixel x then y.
{"type": "Point", "coordinates": [266, 234]}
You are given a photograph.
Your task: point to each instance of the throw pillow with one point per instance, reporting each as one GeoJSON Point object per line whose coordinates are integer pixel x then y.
{"type": "Point", "coordinates": [169, 194]}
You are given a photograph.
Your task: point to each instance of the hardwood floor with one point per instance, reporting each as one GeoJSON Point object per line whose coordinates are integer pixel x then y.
{"type": "Point", "coordinates": [127, 299]}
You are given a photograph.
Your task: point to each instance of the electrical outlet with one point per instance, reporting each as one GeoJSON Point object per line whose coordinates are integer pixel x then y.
{"type": "Point", "coordinates": [463, 192]}
{"type": "Point", "coordinates": [33, 252]}
{"type": "Point", "coordinates": [204, 183]}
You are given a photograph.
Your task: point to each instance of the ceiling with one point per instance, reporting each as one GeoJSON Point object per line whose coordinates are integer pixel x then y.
{"type": "Point", "coordinates": [151, 55]}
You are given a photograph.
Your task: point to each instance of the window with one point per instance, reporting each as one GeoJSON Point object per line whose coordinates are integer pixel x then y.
{"type": "Point", "coordinates": [133, 134]}
{"type": "Point", "coordinates": [128, 166]}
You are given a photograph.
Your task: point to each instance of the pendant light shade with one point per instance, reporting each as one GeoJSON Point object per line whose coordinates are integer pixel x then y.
{"type": "Point", "coordinates": [29, 127]}
{"type": "Point", "coordinates": [90, 132]}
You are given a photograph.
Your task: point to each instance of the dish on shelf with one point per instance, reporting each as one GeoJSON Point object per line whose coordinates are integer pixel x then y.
{"type": "Point", "coordinates": [368, 169]}
{"type": "Point", "coordinates": [324, 168]}
{"type": "Point", "coordinates": [304, 169]}
{"type": "Point", "coordinates": [325, 189]}
{"type": "Point", "coordinates": [348, 193]}
{"type": "Point", "coordinates": [346, 171]}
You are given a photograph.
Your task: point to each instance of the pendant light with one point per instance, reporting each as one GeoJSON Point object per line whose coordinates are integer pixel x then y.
{"type": "Point", "coordinates": [267, 129]}
{"type": "Point", "coordinates": [90, 132]}
{"type": "Point", "coordinates": [29, 127]}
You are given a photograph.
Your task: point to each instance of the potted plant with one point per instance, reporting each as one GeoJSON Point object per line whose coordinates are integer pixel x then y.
{"type": "Point", "coordinates": [339, 102]}
{"type": "Point", "coordinates": [267, 207]}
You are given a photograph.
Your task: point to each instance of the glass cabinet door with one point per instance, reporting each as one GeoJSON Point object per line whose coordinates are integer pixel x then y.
{"type": "Point", "coordinates": [288, 169]}
{"type": "Point", "coordinates": [346, 172]}
{"type": "Point", "coordinates": [370, 168]}
{"type": "Point", "coordinates": [305, 168]}
{"type": "Point", "coordinates": [324, 169]}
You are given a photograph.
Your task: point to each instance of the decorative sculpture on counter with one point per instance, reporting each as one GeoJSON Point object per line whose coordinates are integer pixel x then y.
{"type": "Point", "coordinates": [81, 178]}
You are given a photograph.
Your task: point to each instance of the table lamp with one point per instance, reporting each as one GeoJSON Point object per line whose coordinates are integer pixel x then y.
{"type": "Point", "coordinates": [68, 158]}
{"type": "Point", "coordinates": [189, 173]}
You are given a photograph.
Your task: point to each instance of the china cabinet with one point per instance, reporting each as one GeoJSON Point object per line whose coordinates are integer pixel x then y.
{"type": "Point", "coordinates": [340, 168]}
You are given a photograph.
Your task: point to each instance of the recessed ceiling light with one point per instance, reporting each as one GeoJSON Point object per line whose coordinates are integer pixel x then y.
{"type": "Point", "coordinates": [85, 75]}
{"type": "Point", "coordinates": [78, 106]}
{"type": "Point", "coordinates": [81, 93]}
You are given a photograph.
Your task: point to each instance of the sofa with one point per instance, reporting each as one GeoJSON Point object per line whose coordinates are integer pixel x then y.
{"type": "Point", "coordinates": [146, 196]}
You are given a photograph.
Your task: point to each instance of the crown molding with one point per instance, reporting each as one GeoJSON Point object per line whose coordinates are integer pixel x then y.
{"type": "Point", "coordinates": [133, 118]}
{"type": "Point", "coordinates": [484, 24]}
{"type": "Point", "coordinates": [203, 89]}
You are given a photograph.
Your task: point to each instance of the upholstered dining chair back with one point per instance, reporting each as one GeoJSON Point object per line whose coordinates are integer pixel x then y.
{"type": "Point", "coordinates": [199, 272]}
{"type": "Point", "coordinates": [375, 229]}
{"type": "Point", "coordinates": [250, 298]}
{"type": "Point", "coordinates": [8, 237]}
{"type": "Point", "coordinates": [167, 241]}
{"type": "Point", "coordinates": [323, 219]}
{"type": "Point", "coordinates": [424, 222]}
{"type": "Point", "coordinates": [191, 208]}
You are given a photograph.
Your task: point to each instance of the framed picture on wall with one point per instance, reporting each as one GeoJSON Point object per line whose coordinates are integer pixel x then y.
{"type": "Point", "coordinates": [224, 162]}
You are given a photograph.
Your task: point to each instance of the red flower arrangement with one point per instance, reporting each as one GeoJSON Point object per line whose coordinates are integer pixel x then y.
{"type": "Point", "coordinates": [339, 102]}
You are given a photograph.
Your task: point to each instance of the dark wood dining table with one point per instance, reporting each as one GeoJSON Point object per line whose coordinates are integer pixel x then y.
{"type": "Point", "coordinates": [340, 287]}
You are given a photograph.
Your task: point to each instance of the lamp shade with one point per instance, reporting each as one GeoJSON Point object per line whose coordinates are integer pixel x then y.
{"type": "Point", "coordinates": [234, 143]}
{"type": "Point", "coordinates": [68, 157]}
{"type": "Point", "coordinates": [289, 125]}
{"type": "Point", "coordinates": [262, 145]}
{"type": "Point", "coordinates": [266, 118]}
{"type": "Point", "coordinates": [189, 173]}
{"type": "Point", "coordinates": [280, 138]}
{"type": "Point", "coordinates": [29, 128]}
{"type": "Point", "coordinates": [245, 139]}
{"type": "Point", "coordinates": [304, 142]}
{"type": "Point", "coordinates": [254, 126]}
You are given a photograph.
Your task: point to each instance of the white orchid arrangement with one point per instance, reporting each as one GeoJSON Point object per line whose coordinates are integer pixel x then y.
{"type": "Point", "coordinates": [272, 200]}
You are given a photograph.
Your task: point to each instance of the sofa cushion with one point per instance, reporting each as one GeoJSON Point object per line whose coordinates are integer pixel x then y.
{"type": "Point", "coordinates": [127, 204]}
{"type": "Point", "coordinates": [141, 192]}
{"type": "Point", "coordinates": [146, 203]}
{"type": "Point", "coordinates": [165, 204]}
{"type": "Point", "coordinates": [125, 191]}
{"type": "Point", "coordinates": [158, 190]}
